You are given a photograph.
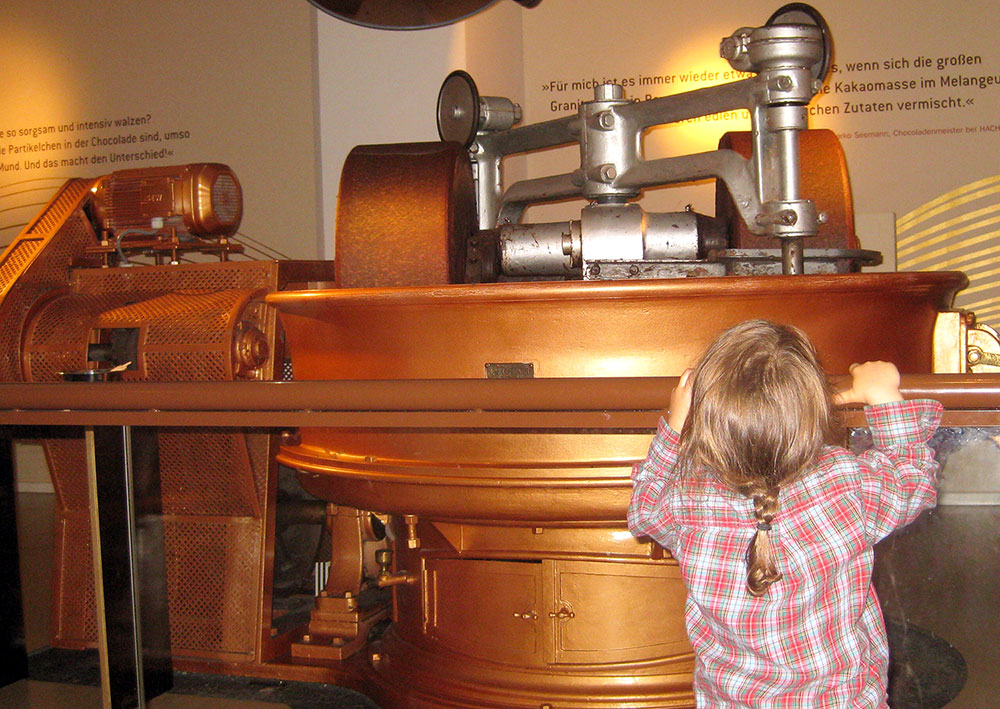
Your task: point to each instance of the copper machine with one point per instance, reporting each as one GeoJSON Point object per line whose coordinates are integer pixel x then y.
{"type": "Point", "coordinates": [501, 557]}
{"type": "Point", "coordinates": [76, 301]}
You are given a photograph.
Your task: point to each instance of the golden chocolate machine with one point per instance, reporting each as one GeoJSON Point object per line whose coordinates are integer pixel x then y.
{"type": "Point", "coordinates": [456, 565]}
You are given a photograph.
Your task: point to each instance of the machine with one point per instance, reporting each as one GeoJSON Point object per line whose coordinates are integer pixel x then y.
{"type": "Point", "coordinates": [466, 567]}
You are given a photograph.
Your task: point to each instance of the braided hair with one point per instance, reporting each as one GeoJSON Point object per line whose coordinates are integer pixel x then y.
{"type": "Point", "coordinates": [760, 414]}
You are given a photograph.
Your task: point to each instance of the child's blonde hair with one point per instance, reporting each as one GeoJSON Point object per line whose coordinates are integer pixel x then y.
{"type": "Point", "coordinates": [760, 413]}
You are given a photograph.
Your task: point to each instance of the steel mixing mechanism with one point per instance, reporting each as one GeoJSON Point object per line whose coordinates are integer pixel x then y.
{"type": "Point", "coordinates": [789, 57]}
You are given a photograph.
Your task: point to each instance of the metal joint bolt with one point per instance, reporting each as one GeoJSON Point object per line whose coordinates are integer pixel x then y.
{"type": "Point", "coordinates": [783, 83]}
{"type": "Point", "coordinates": [605, 173]}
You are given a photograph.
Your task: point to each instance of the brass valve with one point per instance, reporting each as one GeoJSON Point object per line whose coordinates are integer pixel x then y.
{"type": "Point", "coordinates": [383, 557]}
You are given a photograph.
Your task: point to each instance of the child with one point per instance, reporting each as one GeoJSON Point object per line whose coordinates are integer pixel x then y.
{"type": "Point", "coordinates": [773, 528]}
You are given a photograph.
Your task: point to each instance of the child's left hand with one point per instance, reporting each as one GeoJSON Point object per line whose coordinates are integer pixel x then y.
{"type": "Point", "coordinates": [680, 401]}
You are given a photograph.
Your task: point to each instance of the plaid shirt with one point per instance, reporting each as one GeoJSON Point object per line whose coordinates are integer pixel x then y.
{"type": "Point", "coordinates": [817, 637]}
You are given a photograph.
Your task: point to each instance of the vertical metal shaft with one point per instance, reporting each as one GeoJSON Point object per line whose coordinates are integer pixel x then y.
{"type": "Point", "coordinates": [792, 262]}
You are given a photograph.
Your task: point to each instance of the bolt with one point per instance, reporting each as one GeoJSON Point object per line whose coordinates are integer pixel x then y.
{"type": "Point", "coordinates": [595, 270]}
{"type": "Point", "coordinates": [633, 270]}
{"type": "Point", "coordinates": [606, 120]}
{"type": "Point", "coordinates": [783, 83]}
{"type": "Point", "coordinates": [727, 49]}
{"type": "Point", "coordinates": [821, 218]}
{"type": "Point", "coordinates": [608, 172]}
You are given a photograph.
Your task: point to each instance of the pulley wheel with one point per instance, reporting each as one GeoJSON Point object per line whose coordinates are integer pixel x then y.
{"type": "Point", "coordinates": [458, 110]}
{"type": "Point", "coordinates": [800, 13]}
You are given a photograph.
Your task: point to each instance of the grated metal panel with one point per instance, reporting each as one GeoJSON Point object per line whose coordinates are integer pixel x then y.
{"type": "Point", "coordinates": [174, 366]}
{"type": "Point", "coordinates": [140, 282]}
{"type": "Point", "coordinates": [75, 623]}
{"type": "Point", "coordinates": [46, 366]}
{"type": "Point", "coordinates": [258, 445]}
{"type": "Point", "coordinates": [67, 455]}
{"type": "Point", "coordinates": [194, 320]}
{"type": "Point", "coordinates": [214, 484]}
{"type": "Point", "coordinates": [16, 258]}
{"type": "Point", "coordinates": [206, 473]}
{"type": "Point", "coordinates": [55, 213]}
{"type": "Point", "coordinates": [66, 233]}
{"type": "Point", "coordinates": [212, 580]}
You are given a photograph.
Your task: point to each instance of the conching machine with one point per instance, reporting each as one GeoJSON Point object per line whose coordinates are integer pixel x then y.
{"type": "Point", "coordinates": [467, 567]}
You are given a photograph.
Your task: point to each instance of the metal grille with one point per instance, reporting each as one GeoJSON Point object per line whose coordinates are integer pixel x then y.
{"type": "Point", "coordinates": [50, 219]}
{"type": "Point", "coordinates": [71, 487]}
{"type": "Point", "coordinates": [63, 322]}
{"type": "Point", "coordinates": [16, 259]}
{"type": "Point", "coordinates": [193, 320]}
{"type": "Point", "coordinates": [226, 199]}
{"type": "Point", "coordinates": [205, 473]}
{"type": "Point", "coordinates": [138, 282]}
{"type": "Point", "coordinates": [46, 366]}
{"type": "Point", "coordinates": [259, 450]}
{"type": "Point", "coordinates": [178, 366]}
{"type": "Point", "coordinates": [212, 576]}
{"type": "Point", "coordinates": [75, 625]}
{"type": "Point", "coordinates": [65, 233]}
{"type": "Point", "coordinates": [214, 485]}
{"type": "Point", "coordinates": [73, 585]}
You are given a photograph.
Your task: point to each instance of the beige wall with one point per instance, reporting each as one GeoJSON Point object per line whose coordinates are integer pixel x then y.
{"type": "Point", "coordinates": [234, 79]}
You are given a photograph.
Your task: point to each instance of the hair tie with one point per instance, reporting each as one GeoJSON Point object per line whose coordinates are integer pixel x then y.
{"type": "Point", "coordinates": [763, 527]}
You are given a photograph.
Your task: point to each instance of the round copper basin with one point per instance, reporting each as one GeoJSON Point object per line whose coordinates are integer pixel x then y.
{"type": "Point", "coordinates": [568, 329]}
{"type": "Point", "coordinates": [603, 329]}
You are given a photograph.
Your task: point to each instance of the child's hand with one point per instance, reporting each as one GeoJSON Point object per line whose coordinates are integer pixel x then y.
{"type": "Point", "coordinates": [871, 383]}
{"type": "Point", "coordinates": [680, 401]}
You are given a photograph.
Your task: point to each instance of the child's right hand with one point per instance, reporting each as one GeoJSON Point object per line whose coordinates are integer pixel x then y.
{"type": "Point", "coordinates": [871, 383]}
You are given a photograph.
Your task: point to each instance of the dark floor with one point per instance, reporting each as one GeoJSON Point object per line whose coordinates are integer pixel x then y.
{"type": "Point", "coordinates": [942, 574]}
{"type": "Point", "coordinates": [939, 581]}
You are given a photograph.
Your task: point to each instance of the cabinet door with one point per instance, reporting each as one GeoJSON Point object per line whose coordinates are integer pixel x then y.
{"type": "Point", "coordinates": [486, 609]}
{"type": "Point", "coordinates": [616, 612]}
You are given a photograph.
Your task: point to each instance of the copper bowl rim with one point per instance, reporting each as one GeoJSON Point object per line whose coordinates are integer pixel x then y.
{"type": "Point", "coordinates": [947, 282]}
